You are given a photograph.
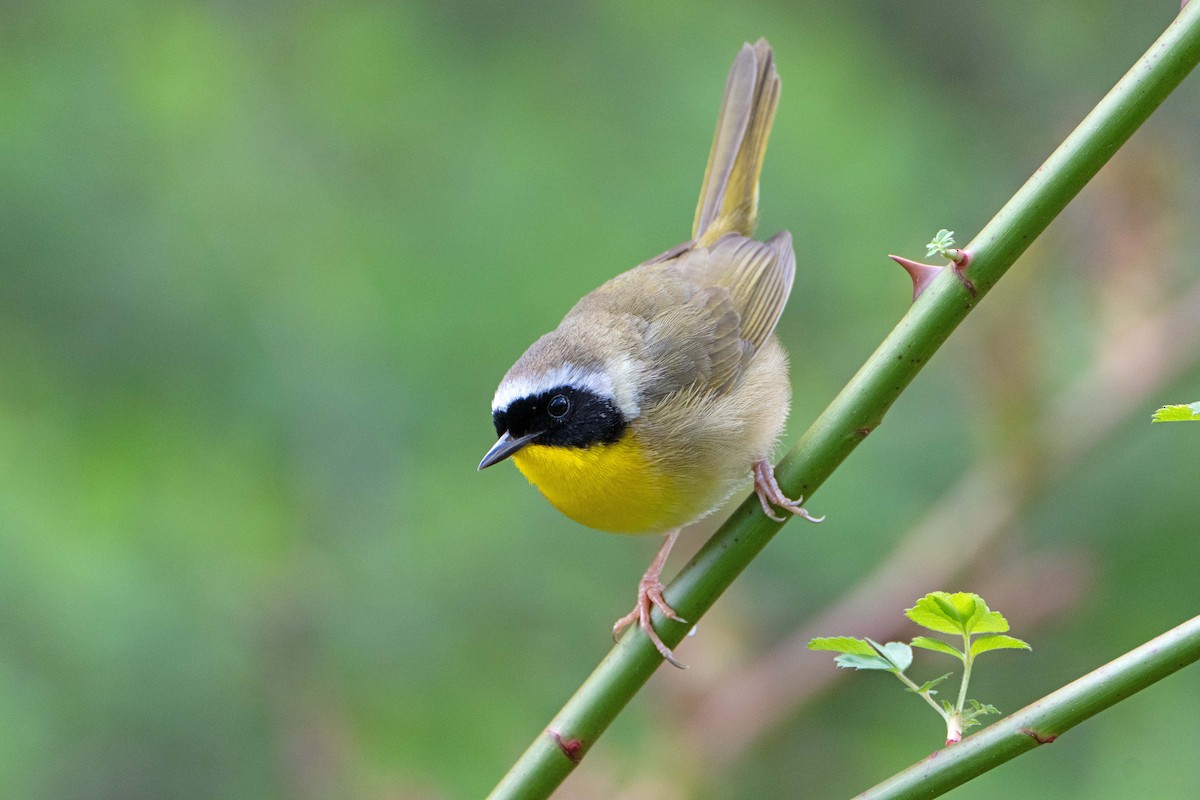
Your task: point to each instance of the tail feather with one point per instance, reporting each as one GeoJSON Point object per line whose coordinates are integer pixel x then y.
{"type": "Point", "coordinates": [729, 196]}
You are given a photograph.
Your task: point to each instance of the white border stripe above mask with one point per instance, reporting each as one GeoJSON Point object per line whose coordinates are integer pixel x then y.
{"type": "Point", "coordinates": [514, 387]}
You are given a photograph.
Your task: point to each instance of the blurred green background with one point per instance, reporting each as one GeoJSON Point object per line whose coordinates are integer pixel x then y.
{"type": "Point", "coordinates": [263, 265]}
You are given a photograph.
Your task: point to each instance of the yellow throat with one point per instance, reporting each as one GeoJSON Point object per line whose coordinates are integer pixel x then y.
{"type": "Point", "coordinates": [611, 487]}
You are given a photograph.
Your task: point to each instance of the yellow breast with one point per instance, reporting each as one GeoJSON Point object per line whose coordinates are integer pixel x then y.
{"type": "Point", "coordinates": [611, 487]}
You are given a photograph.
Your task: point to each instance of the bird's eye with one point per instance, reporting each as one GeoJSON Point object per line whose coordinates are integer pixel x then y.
{"type": "Point", "coordinates": [559, 406]}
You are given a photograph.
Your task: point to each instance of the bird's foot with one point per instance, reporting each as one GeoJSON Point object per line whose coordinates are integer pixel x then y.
{"type": "Point", "coordinates": [769, 494]}
{"type": "Point", "coordinates": [650, 594]}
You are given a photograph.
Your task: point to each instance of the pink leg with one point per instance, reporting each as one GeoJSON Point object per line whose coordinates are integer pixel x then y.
{"type": "Point", "coordinates": [650, 594]}
{"type": "Point", "coordinates": [769, 494]}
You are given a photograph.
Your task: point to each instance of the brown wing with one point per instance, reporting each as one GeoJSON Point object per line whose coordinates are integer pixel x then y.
{"type": "Point", "coordinates": [738, 290]}
{"type": "Point", "coordinates": [697, 343]}
{"type": "Point", "coordinates": [758, 275]}
{"type": "Point", "coordinates": [700, 316]}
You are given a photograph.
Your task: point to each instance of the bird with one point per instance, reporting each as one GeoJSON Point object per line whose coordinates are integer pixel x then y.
{"type": "Point", "coordinates": [662, 391]}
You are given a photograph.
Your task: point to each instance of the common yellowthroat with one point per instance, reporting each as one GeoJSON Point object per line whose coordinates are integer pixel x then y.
{"type": "Point", "coordinates": [664, 389]}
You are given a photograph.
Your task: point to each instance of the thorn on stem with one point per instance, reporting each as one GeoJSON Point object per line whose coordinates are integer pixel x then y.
{"type": "Point", "coordinates": [571, 748]}
{"type": "Point", "coordinates": [1040, 738]}
{"type": "Point", "coordinates": [921, 274]}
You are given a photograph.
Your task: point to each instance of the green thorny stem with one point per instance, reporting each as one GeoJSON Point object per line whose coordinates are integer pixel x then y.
{"type": "Point", "coordinates": [860, 406]}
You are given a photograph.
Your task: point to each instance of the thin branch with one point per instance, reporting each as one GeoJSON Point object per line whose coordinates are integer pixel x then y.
{"type": "Point", "coordinates": [1045, 720]}
{"type": "Point", "coordinates": [755, 699]}
{"type": "Point", "coordinates": [861, 405]}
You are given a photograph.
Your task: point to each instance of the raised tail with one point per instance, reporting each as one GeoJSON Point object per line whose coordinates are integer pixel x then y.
{"type": "Point", "coordinates": [729, 195]}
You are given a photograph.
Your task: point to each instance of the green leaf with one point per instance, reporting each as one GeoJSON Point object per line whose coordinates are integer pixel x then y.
{"type": "Point", "coordinates": [984, 620]}
{"type": "Point", "coordinates": [850, 661]}
{"type": "Point", "coordinates": [959, 606]}
{"type": "Point", "coordinates": [935, 612]}
{"type": "Point", "coordinates": [898, 653]}
{"type": "Point", "coordinates": [942, 242]}
{"type": "Point", "coordinates": [842, 644]}
{"type": "Point", "coordinates": [959, 613]}
{"type": "Point", "coordinates": [865, 653]}
{"type": "Point", "coordinates": [1179, 413]}
{"type": "Point", "coordinates": [977, 709]}
{"type": "Point", "coordinates": [937, 645]}
{"type": "Point", "coordinates": [927, 686]}
{"type": "Point", "coordinates": [985, 643]}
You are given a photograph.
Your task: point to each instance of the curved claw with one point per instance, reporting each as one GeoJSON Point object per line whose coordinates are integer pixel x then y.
{"type": "Point", "coordinates": [650, 595]}
{"type": "Point", "coordinates": [769, 494]}
{"type": "Point", "coordinates": [766, 507]}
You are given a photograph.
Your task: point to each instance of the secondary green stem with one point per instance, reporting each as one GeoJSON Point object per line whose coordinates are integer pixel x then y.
{"type": "Point", "coordinates": [861, 405]}
{"type": "Point", "coordinates": [966, 678]}
{"type": "Point", "coordinates": [911, 684]}
{"type": "Point", "coordinates": [1047, 719]}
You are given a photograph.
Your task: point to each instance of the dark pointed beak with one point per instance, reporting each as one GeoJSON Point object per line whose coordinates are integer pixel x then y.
{"type": "Point", "coordinates": [504, 448]}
